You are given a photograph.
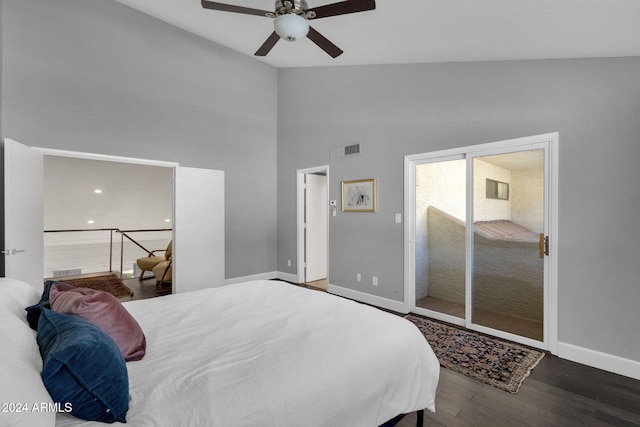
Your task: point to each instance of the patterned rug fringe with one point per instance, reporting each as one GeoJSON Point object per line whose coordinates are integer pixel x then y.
{"type": "Point", "coordinates": [489, 360]}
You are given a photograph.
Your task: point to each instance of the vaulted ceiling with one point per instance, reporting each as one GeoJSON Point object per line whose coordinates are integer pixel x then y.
{"type": "Point", "coordinates": [423, 31]}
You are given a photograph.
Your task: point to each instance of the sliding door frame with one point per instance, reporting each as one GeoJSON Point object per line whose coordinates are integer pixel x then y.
{"type": "Point", "coordinates": [550, 143]}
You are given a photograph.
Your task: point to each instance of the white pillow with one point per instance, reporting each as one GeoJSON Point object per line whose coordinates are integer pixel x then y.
{"type": "Point", "coordinates": [24, 399]}
{"type": "Point", "coordinates": [16, 295]}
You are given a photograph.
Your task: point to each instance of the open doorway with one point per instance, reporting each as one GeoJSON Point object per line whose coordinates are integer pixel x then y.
{"type": "Point", "coordinates": [198, 214]}
{"type": "Point", "coordinates": [313, 203]}
{"type": "Point", "coordinates": [88, 194]}
{"type": "Point", "coordinates": [101, 216]}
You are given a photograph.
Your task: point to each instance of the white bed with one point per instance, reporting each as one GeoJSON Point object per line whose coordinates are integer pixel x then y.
{"type": "Point", "coordinates": [268, 353]}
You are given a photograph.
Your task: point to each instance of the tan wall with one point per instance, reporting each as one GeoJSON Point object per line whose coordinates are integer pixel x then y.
{"type": "Point", "coordinates": [527, 202]}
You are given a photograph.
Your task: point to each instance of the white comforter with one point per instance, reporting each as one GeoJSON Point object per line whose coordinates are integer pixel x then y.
{"type": "Point", "coordinates": [268, 353]}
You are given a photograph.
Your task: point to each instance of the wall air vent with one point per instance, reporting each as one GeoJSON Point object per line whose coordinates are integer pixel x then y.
{"type": "Point", "coordinates": [67, 272]}
{"type": "Point", "coordinates": [340, 151]}
{"type": "Point", "coordinates": [352, 149]}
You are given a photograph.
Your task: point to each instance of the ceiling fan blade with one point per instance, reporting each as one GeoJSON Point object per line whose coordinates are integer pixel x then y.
{"type": "Point", "coordinates": [324, 43]}
{"type": "Point", "coordinates": [343, 8]}
{"type": "Point", "coordinates": [268, 44]}
{"type": "Point", "coordinates": [237, 9]}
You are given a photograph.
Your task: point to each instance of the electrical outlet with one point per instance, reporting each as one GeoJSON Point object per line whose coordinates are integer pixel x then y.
{"type": "Point", "coordinates": [374, 282]}
{"type": "Point", "coordinates": [358, 277]}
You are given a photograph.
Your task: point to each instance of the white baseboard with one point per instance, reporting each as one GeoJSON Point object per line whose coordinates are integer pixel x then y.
{"type": "Point", "coordinates": [608, 362]}
{"type": "Point", "coordinates": [377, 301]}
{"type": "Point", "coordinates": [260, 276]}
{"type": "Point", "coordinates": [287, 276]}
{"type": "Point", "coordinates": [263, 276]}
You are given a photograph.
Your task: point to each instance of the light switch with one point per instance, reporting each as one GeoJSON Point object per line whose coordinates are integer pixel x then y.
{"type": "Point", "coordinates": [398, 218]}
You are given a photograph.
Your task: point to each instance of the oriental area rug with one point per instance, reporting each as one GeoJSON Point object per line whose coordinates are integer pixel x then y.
{"type": "Point", "coordinates": [489, 360]}
{"type": "Point", "coordinates": [109, 283]}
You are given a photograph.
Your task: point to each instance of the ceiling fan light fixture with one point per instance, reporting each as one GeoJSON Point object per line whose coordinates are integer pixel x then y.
{"type": "Point", "coordinates": [291, 27]}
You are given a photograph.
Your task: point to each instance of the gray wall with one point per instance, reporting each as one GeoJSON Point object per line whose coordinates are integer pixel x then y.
{"type": "Point", "coordinates": [407, 109]}
{"type": "Point", "coordinates": [1, 151]}
{"type": "Point", "coordinates": [96, 76]}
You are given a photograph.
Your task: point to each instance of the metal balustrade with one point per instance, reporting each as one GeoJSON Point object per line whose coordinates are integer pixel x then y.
{"type": "Point", "coordinates": [80, 251]}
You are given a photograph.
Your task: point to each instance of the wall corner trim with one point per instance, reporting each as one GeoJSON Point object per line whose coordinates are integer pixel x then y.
{"type": "Point", "coordinates": [270, 275]}
{"type": "Point", "coordinates": [287, 276]}
{"type": "Point", "coordinates": [389, 304]}
{"type": "Point", "coordinates": [596, 359]}
{"type": "Point", "coordinates": [260, 276]}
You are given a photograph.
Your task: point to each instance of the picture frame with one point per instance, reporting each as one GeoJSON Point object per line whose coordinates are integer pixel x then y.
{"type": "Point", "coordinates": [359, 195]}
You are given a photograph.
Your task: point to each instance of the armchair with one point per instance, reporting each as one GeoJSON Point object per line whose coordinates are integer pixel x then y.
{"type": "Point", "coordinates": [148, 263]}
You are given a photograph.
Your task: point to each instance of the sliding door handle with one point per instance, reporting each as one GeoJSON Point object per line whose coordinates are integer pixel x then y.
{"type": "Point", "coordinates": [546, 245]}
{"type": "Point", "coordinates": [543, 245]}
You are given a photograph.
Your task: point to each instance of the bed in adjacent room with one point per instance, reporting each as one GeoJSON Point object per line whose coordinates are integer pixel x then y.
{"type": "Point", "coordinates": [264, 353]}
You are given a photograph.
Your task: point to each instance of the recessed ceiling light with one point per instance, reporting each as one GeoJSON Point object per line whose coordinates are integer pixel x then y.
{"type": "Point", "coordinates": [90, 221]}
{"type": "Point", "coordinates": [97, 191]}
{"type": "Point", "coordinates": [167, 220]}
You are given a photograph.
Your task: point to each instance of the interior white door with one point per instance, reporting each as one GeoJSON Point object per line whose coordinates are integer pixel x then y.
{"type": "Point", "coordinates": [316, 227]}
{"type": "Point", "coordinates": [23, 214]}
{"type": "Point", "coordinates": [198, 233]}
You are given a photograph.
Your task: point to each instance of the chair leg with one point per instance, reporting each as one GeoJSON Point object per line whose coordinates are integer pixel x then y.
{"type": "Point", "coordinates": [161, 289]}
{"type": "Point", "coordinates": [159, 283]}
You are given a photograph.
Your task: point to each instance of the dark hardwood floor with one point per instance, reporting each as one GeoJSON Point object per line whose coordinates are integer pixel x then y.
{"type": "Point", "coordinates": [557, 393]}
{"type": "Point", "coordinates": [141, 289]}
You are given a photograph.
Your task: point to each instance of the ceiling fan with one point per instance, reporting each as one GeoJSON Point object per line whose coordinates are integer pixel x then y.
{"type": "Point", "coordinates": [292, 20]}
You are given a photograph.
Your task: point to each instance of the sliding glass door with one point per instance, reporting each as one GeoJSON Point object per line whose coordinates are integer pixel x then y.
{"type": "Point", "coordinates": [440, 235]}
{"type": "Point", "coordinates": [508, 220]}
{"type": "Point", "coordinates": [477, 242]}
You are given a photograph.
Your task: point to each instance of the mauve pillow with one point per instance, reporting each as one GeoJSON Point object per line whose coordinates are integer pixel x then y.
{"type": "Point", "coordinates": [105, 311]}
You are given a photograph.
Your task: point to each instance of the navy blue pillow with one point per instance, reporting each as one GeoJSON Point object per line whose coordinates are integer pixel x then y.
{"type": "Point", "coordinates": [83, 366]}
{"type": "Point", "coordinates": [33, 312]}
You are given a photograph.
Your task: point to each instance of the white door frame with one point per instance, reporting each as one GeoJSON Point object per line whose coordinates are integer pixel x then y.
{"type": "Point", "coordinates": [300, 224]}
{"type": "Point", "coordinates": [118, 159]}
{"type": "Point", "coordinates": [104, 157]}
{"type": "Point", "coordinates": [551, 268]}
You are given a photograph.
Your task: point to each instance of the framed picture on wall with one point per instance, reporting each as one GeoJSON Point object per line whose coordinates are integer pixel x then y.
{"type": "Point", "coordinates": [359, 196]}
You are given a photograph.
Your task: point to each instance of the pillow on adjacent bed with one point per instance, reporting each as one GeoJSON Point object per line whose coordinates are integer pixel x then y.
{"type": "Point", "coordinates": [20, 362]}
{"type": "Point", "coordinates": [82, 368]}
{"type": "Point", "coordinates": [103, 310]}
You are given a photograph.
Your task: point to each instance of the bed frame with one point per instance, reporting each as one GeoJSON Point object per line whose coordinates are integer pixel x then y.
{"type": "Point", "coordinates": [396, 420]}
